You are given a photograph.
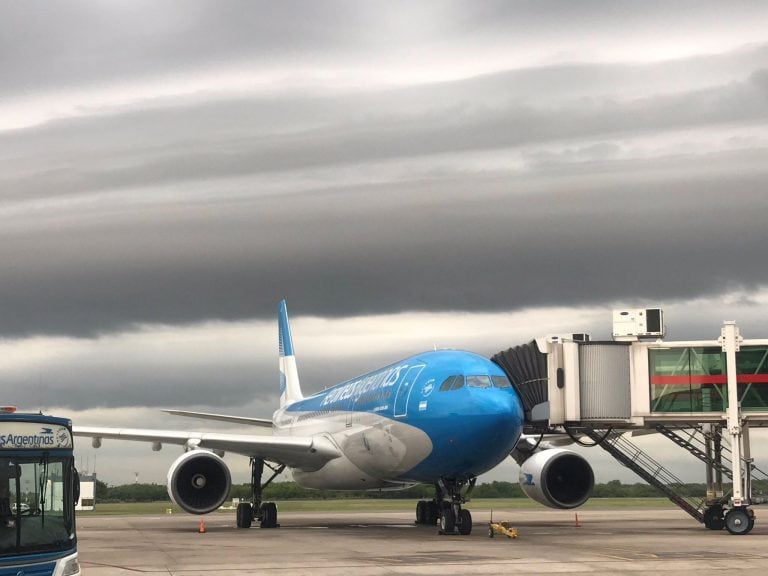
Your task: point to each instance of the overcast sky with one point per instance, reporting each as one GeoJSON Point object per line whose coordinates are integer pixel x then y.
{"type": "Point", "coordinates": [406, 174]}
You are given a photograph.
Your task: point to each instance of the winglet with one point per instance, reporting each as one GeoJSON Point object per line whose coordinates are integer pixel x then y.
{"type": "Point", "coordinates": [290, 390]}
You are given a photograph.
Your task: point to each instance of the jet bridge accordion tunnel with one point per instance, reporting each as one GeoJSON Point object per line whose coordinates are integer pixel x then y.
{"type": "Point", "coordinates": [573, 380]}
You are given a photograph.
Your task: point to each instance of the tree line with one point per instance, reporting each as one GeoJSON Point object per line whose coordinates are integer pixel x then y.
{"type": "Point", "coordinates": [292, 491]}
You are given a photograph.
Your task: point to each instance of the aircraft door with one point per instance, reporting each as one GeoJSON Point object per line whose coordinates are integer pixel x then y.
{"type": "Point", "coordinates": [404, 391]}
{"type": "Point", "coordinates": [351, 410]}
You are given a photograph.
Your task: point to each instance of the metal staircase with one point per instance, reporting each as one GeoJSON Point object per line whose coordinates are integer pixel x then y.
{"type": "Point", "coordinates": [647, 468]}
{"type": "Point", "coordinates": [695, 443]}
{"type": "Point", "coordinates": [694, 449]}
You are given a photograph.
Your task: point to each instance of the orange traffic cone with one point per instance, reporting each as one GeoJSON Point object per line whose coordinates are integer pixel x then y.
{"type": "Point", "coordinates": [201, 530]}
{"type": "Point", "coordinates": [577, 525]}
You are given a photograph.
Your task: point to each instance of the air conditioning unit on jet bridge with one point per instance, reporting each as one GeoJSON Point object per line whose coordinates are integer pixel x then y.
{"type": "Point", "coordinates": [636, 323]}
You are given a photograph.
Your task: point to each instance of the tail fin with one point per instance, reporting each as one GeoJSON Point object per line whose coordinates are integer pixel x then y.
{"type": "Point", "coordinates": [290, 390]}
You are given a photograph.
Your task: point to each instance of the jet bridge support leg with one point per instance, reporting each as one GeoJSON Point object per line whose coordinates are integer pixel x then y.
{"type": "Point", "coordinates": [264, 512]}
{"type": "Point", "coordinates": [740, 519]}
{"type": "Point", "coordinates": [714, 515]}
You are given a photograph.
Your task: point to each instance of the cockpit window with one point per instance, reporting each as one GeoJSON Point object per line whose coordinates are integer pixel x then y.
{"type": "Point", "coordinates": [501, 382]}
{"type": "Point", "coordinates": [479, 381]}
{"type": "Point", "coordinates": [452, 383]}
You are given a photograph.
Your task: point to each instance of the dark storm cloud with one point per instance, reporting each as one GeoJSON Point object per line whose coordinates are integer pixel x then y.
{"type": "Point", "coordinates": [363, 251]}
{"type": "Point", "coordinates": [272, 135]}
{"type": "Point", "coordinates": [84, 386]}
{"type": "Point", "coordinates": [214, 206]}
{"type": "Point", "coordinates": [134, 381]}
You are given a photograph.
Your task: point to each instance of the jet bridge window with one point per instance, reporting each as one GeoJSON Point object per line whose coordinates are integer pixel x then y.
{"type": "Point", "coordinates": [501, 382]}
{"type": "Point", "coordinates": [695, 379]}
{"type": "Point", "coordinates": [452, 383]}
{"type": "Point", "coordinates": [687, 379]}
{"type": "Point", "coordinates": [479, 381]}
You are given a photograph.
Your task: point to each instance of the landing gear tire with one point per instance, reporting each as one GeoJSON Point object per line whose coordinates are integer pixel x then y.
{"type": "Point", "coordinates": [269, 515]}
{"type": "Point", "coordinates": [447, 521]}
{"type": "Point", "coordinates": [491, 533]}
{"type": "Point", "coordinates": [431, 513]}
{"type": "Point", "coordinates": [244, 515]}
{"type": "Point", "coordinates": [421, 512]}
{"type": "Point", "coordinates": [465, 522]}
{"type": "Point", "coordinates": [713, 518]}
{"type": "Point", "coordinates": [739, 521]}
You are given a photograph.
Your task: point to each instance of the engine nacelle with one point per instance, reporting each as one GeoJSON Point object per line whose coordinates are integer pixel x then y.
{"type": "Point", "coordinates": [557, 478]}
{"type": "Point", "coordinates": [199, 481]}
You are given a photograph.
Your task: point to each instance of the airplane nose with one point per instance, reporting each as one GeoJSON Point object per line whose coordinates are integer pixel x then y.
{"type": "Point", "coordinates": [503, 418]}
{"type": "Point", "coordinates": [507, 405]}
{"type": "Point", "coordinates": [490, 432]}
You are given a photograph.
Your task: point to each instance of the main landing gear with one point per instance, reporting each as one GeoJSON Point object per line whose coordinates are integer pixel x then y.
{"type": "Point", "coordinates": [264, 512]}
{"type": "Point", "coordinates": [445, 509]}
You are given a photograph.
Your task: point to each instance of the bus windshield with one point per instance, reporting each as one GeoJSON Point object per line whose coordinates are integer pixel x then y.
{"type": "Point", "coordinates": [36, 505]}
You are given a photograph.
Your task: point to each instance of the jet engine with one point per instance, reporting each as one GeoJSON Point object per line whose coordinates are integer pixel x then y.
{"type": "Point", "coordinates": [199, 481]}
{"type": "Point", "coordinates": [557, 478]}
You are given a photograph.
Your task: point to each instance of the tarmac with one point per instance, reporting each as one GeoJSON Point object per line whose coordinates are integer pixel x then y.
{"type": "Point", "coordinates": [383, 543]}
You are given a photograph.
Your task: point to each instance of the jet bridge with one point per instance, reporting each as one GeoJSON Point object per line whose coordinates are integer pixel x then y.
{"type": "Point", "coordinates": [703, 395]}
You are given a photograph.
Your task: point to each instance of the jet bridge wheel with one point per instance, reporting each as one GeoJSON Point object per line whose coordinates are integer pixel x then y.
{"type": "Point", "coordinates": [714, 518]}
{"type": "Point", "coordinates": [739, 520]}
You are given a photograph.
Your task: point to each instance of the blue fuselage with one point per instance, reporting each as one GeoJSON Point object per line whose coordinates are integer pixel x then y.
{"type": "Point", "coordinates": [442, 414]}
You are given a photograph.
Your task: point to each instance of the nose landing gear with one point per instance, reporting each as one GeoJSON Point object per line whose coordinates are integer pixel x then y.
{"type": "Point", "coordinates": [445, 509]}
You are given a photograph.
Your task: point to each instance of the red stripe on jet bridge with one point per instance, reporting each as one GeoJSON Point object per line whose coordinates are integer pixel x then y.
{"type": "Point", "coordinates": [707, 379]}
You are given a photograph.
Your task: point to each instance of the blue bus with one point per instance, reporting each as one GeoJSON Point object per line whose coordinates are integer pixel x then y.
{"type": "Point", "coordinates": [38, 490]}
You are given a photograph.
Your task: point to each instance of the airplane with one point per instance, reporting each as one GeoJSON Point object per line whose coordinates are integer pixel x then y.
{"type": "Point", "coordinates": [441, 417]}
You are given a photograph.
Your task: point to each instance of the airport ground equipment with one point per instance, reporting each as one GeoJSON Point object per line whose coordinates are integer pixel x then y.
{"type": "Point", "coordinates": [702, 395]}
{"type": "Point", "coordinates": [502, 528]}
{"type": "Point", "coordinates": [38, 491]}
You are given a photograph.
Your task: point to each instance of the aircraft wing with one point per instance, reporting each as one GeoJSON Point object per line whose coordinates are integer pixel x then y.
{"type": "Point", "coordinates": [303, 452]}
{"type": "Point", "coordinates": [262, 422]}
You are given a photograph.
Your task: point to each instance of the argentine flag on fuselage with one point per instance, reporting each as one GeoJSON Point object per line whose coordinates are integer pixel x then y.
{"type": "Point", "coordinates": [290, 390]}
